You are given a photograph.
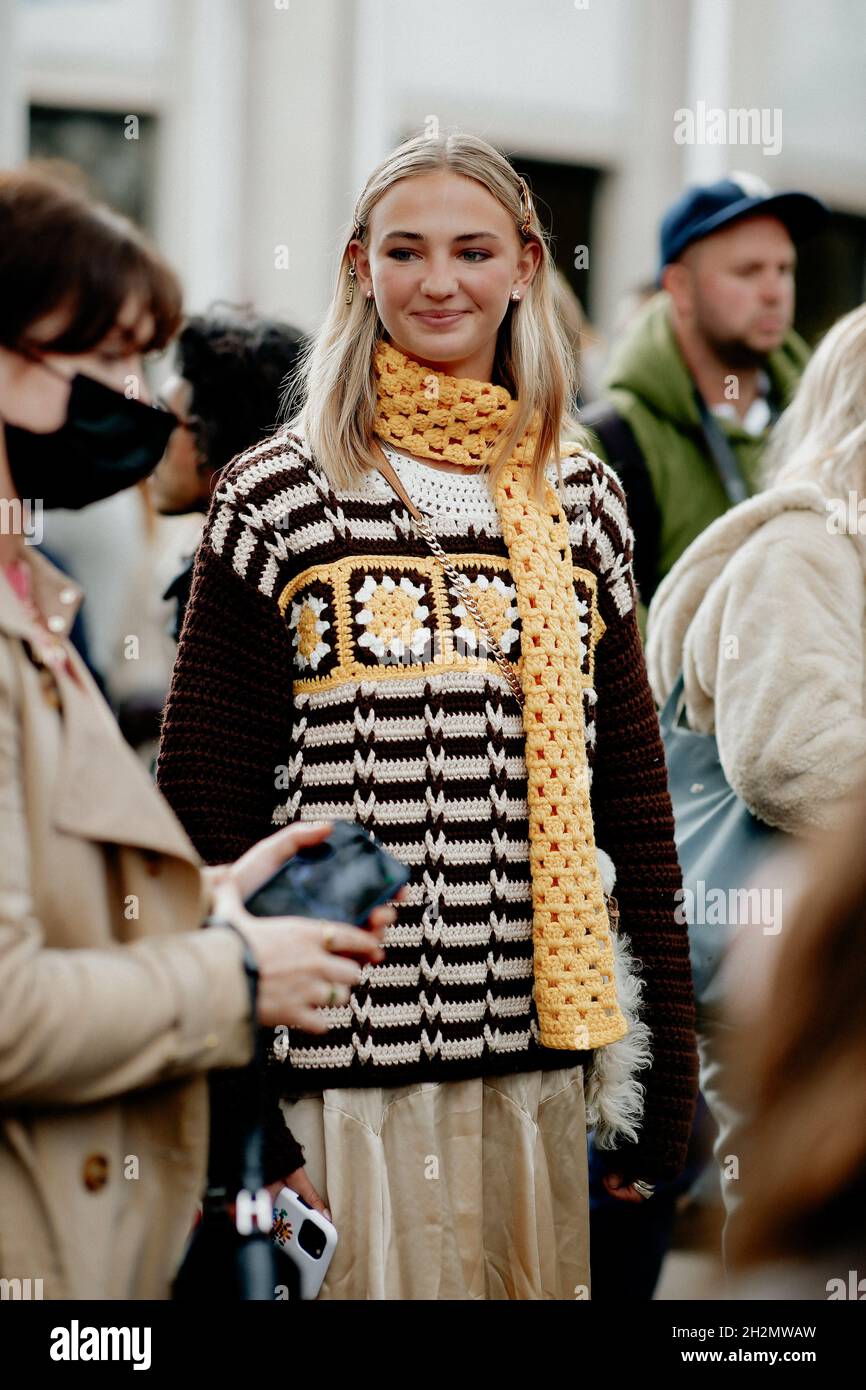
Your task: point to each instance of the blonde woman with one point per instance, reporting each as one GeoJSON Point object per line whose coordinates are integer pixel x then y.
{"type": "Point", "coordinates": [414, 608]}
{"type": "Point", "coordinates": [764, 613]}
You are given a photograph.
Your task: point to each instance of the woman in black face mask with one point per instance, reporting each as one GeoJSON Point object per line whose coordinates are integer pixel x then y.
{"type": "Point", "coordinates": [113, 1005]}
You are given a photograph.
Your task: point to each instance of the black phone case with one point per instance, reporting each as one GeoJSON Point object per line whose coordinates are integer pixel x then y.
{"type": "Point", "coordinates": [340, 879]}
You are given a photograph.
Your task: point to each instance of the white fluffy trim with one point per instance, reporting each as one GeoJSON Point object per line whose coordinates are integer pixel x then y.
{"type": "Point", "coordinates": [607, 870]}
{"type": "Point", "coordinates": [614, 1095]}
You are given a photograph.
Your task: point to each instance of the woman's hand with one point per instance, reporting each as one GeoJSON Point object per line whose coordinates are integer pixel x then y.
{"type": "Point", "coordinates": [300, 1183]}
{"type": "Point", "coordinates": [302, 961]}
{"type": "Point", "coordinates": [623, 1191]}
{"type": "Point", "coordinates": [212, 876]}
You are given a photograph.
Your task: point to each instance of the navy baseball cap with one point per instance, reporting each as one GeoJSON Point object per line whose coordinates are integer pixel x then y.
{"type": "Point", "coordinates": [707, 209]}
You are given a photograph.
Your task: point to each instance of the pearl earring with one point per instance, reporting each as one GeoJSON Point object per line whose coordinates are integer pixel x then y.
{"type": "Point", "coordinates": [369, 294]}
{"type": "Point", "coordinates": [515, 295]}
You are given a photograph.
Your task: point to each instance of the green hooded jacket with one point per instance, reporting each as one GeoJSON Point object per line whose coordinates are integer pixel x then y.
{"type": "Point", "coordinates": [650, 387]}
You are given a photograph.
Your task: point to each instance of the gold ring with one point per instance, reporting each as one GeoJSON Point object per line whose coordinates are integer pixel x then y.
{"type": "Point", "coordinates": [328, 938]}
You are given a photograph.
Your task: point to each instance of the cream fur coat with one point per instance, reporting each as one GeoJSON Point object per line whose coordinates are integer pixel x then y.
{"type": "Point", "coordinates": [766, 614]}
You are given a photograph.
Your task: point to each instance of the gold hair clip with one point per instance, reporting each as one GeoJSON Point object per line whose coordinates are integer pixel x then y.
{"type": "Point", "coordinates": [525, 205]}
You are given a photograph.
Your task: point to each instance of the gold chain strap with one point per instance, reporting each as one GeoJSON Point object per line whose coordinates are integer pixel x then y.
{"type": "Point", "coordinates": [462, 583]}
{"type": "Point", "coordinates": [464, 586]}
{"type": "Point", "coordinates": [612, 912]}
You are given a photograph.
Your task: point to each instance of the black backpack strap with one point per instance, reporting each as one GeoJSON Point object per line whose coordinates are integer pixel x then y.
{"type": "Point", "coordinates": [624, 456]}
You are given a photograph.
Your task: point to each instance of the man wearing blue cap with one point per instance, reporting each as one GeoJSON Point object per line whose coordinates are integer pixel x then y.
{"type": "Point", "coordinates": [690, 395]}
{"type": "Point", "coordinates": [709, 363]}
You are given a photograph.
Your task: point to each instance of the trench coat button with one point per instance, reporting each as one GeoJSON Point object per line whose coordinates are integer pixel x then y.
{"type": "Point", "coordinates": [95, 1172]}
{"type": "Point", "coordinates": [56, 623]}
{"type": "Point", "coordinates": [211, 1041]}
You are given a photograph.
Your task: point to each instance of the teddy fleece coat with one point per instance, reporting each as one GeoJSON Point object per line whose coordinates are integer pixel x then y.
{"type": "Point", "coordinates": [765, 613]}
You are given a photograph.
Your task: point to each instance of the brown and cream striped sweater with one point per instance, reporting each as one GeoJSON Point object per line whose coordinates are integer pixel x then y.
{"type": "Point", "coordinates": [327, 670]}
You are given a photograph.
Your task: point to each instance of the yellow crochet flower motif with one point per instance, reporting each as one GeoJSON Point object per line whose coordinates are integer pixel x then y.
{"type": "Point", "coordinates": [498, 604]}
{"type": "Point", "coordinates": [309, 628]}
{"type": "Point", "coordinates": [393, 616]}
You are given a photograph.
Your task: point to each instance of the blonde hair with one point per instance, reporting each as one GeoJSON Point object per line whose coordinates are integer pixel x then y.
{"type": "Point", "coordinates": [533, 359]}
{"type": "Point", "coordinates": [821, 437]}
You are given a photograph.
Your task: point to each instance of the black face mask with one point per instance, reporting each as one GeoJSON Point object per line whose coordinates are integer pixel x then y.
{"type": "Point", "coordinates": [107, 443]}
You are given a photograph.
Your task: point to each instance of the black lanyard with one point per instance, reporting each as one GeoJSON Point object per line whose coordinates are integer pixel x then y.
{"type": "Point", "coordinates": [722, 454]}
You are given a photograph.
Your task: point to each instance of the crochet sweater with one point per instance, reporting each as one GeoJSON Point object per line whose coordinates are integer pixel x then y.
{"type": "Point", "coordinates": [326, 670]}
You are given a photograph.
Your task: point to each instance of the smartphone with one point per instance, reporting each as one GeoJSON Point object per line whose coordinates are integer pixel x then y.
{"type": "Point", "coordinates": [307, 1237]}
{"type": "Point", "coordinates": [340, 879]}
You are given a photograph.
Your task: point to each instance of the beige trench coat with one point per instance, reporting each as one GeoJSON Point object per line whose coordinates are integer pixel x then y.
{"type": "Point", "coordinates": [112, 1004]}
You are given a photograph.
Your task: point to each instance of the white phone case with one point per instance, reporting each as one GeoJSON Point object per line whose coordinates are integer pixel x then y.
{"type": "Point", "coordinates": [290, 1215]}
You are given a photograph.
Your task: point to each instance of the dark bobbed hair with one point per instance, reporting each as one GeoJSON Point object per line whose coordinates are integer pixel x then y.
{"type": "Point", "coordinates": [236, 365]}
{"type": "Point", "coordinates": [59, 246]}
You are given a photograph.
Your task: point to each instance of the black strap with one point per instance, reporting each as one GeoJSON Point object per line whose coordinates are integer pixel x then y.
{"type": "Point", "coordinates": [722, 454]}
{"type": "Point", "coordinates": [230, 1258]}
{"type": "Point", "coordinates": [624, 455]}
{"type": "Point", "coordinates": [250, 1156]}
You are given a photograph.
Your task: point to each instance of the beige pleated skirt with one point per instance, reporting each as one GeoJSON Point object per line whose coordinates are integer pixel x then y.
{"type": "Point", "coordinates": [471, 1189]}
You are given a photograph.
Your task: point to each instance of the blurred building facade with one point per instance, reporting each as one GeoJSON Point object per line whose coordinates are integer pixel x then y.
{"type": "Point", "coordinates": [241, 131]}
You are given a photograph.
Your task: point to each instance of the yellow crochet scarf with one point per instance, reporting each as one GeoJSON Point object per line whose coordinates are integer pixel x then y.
{"type": "Point", "coordinates": [459, 420]}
